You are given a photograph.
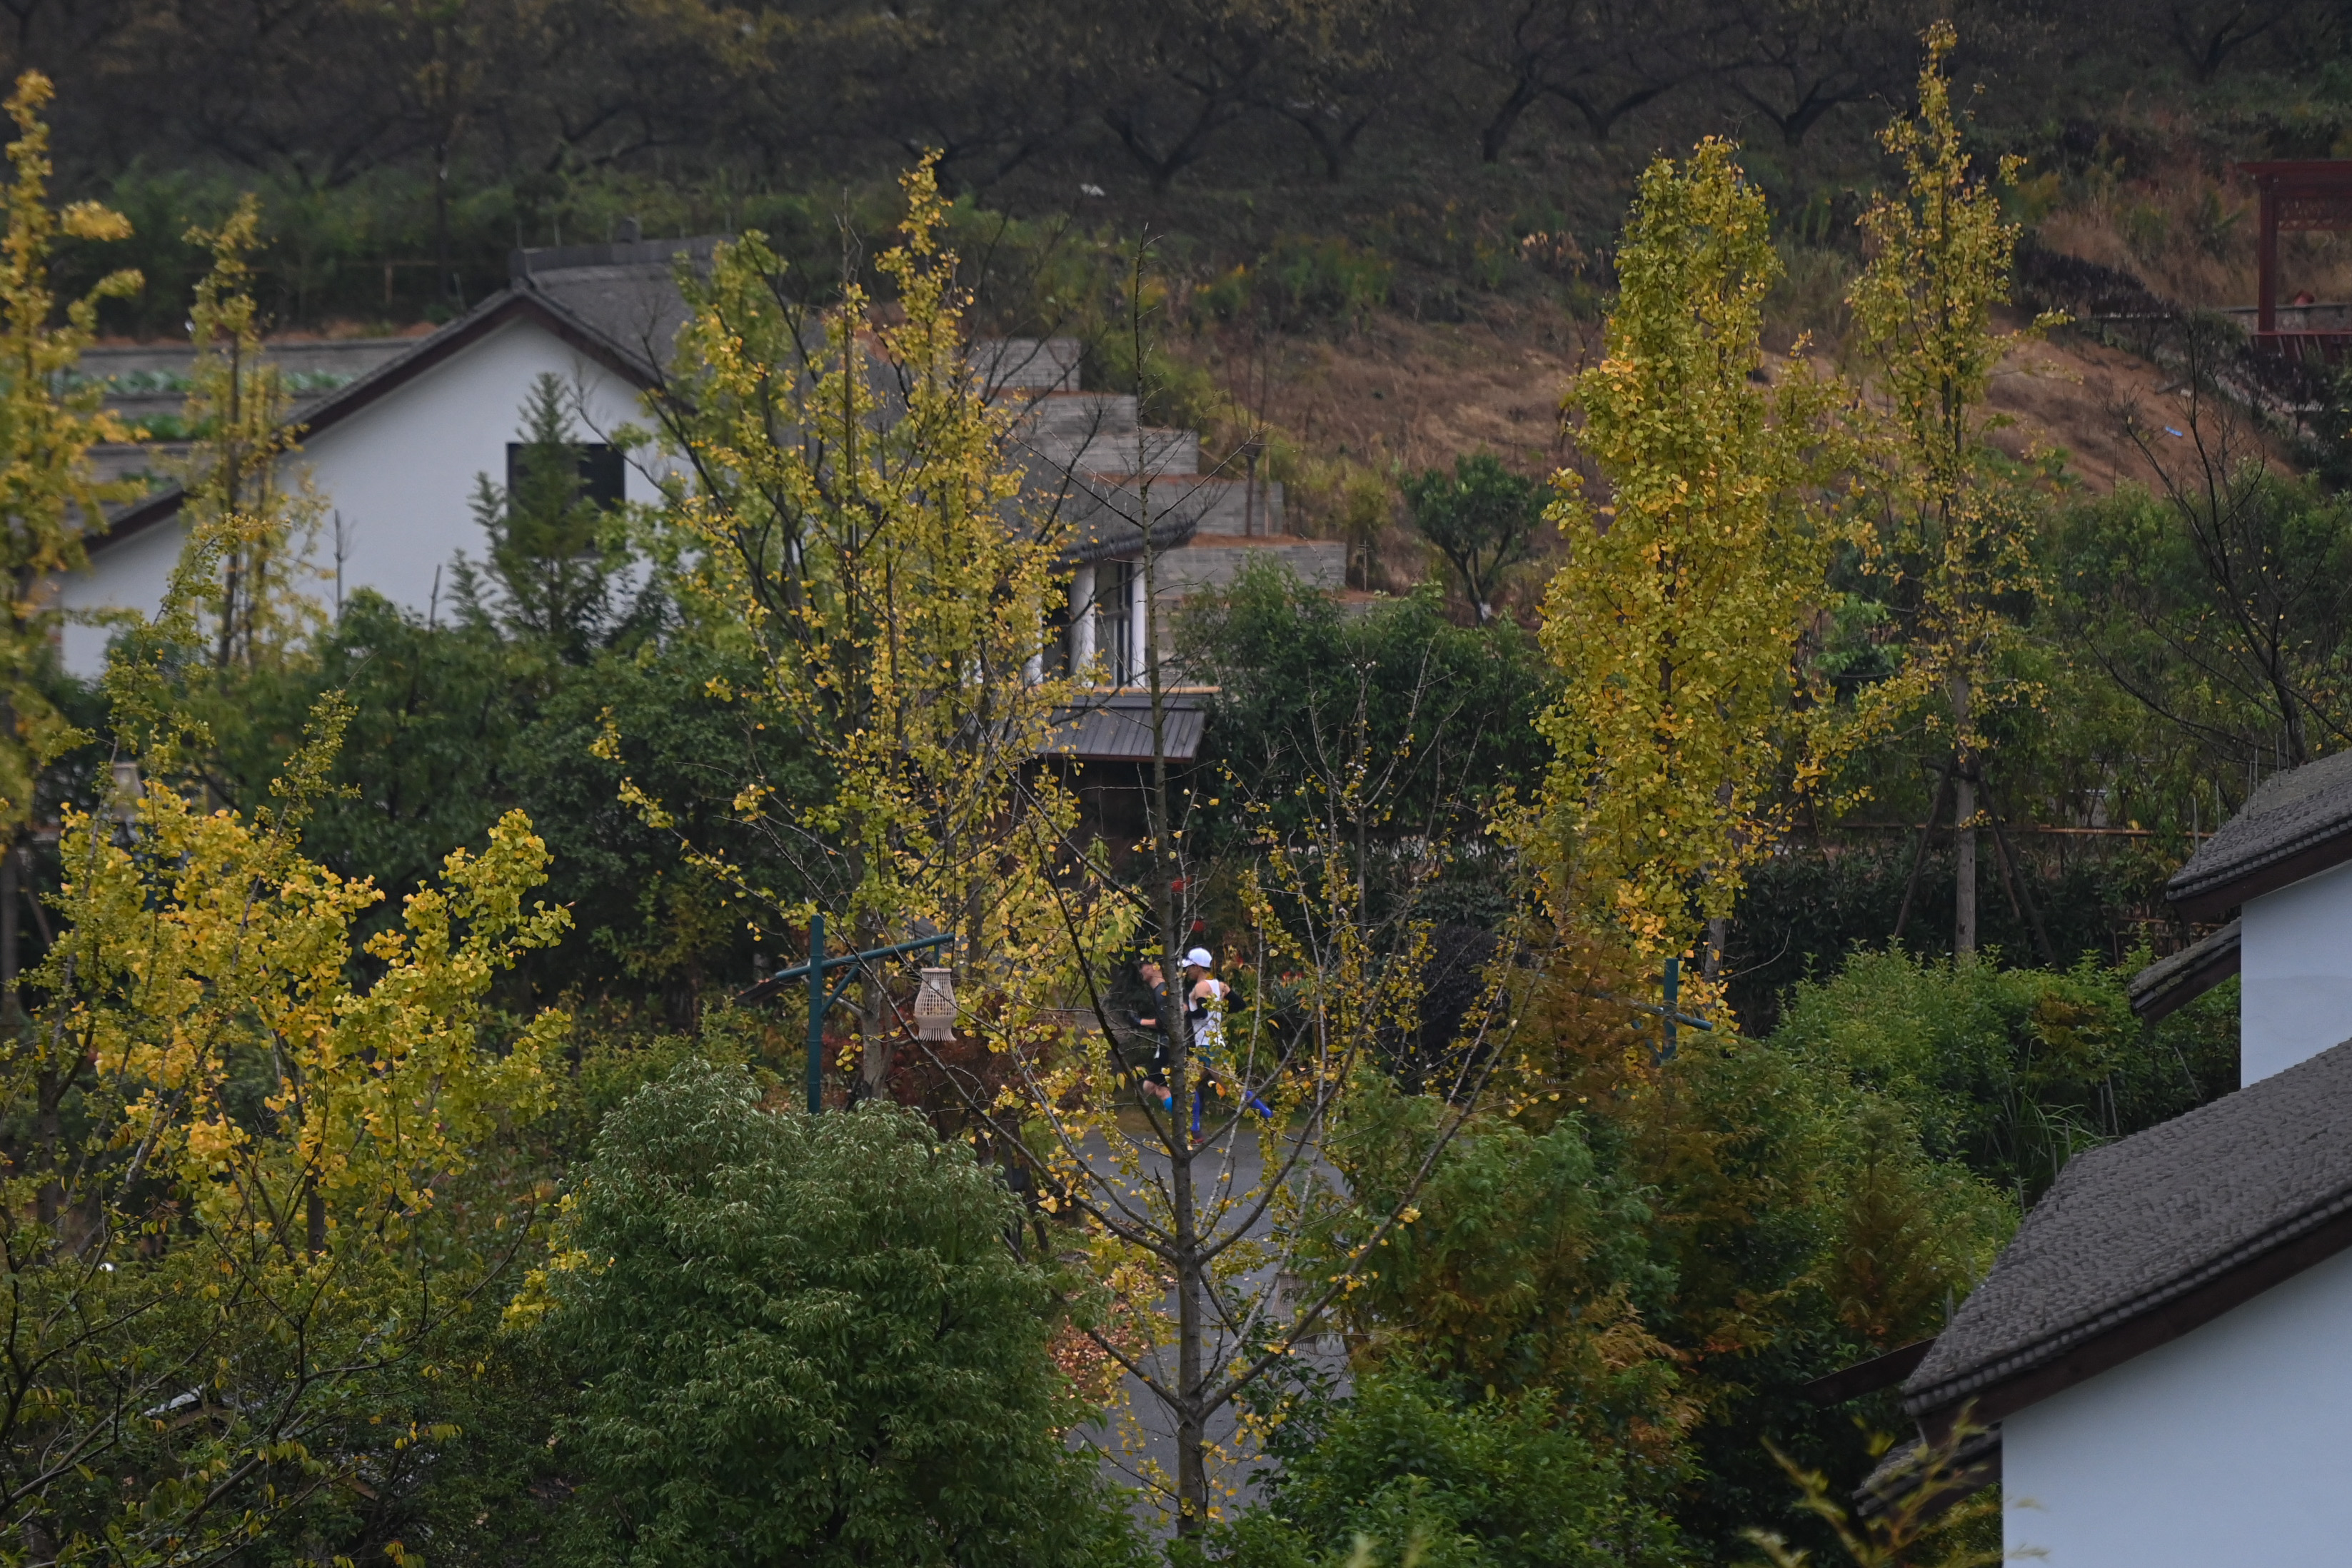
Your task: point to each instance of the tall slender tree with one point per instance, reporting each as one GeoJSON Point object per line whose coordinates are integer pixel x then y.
{"type": "Point", "coordinates": [1687, 586]}
{"type": "Point", "coordinates": [848, 504]}
{"type": "Point", "coordinates": [1955, 541]}
{"type": "Point", "coordinates": [240, 490]}
{"type": "Point", "coordinates": [48, 495]}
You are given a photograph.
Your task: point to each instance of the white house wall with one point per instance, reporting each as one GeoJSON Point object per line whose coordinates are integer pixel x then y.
{"type": "Point", "coordinates": [402, 473]}
{"type": "Point", "coordinates": [2295, 968]}
{"type": "Point", "coordinates": [2225, 1446]}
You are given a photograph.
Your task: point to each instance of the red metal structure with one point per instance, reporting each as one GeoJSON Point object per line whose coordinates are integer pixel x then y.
{"type": "Point", "coordinates": [2301, 196]}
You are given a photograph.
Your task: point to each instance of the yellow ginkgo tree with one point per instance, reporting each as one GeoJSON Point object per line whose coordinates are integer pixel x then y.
{"type": "Point", "coordinates": [1954, 548]}
{"type": "Point", "coordinates": [227, 1248]}
{"type": "Point", "coordinates": [844, 505]}
{"type": "Point", "coordinates": [1691, 578]}
{"type": "Point", "coordinates": [241, 488]}
{"type": "Point", "coordinates": [49, 419]}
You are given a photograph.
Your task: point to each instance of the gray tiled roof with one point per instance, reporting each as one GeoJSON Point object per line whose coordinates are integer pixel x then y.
{"type": "Point", "coordinates": [2292, 813]}
{"type": "Point", "coordinates": [2142, 1223]}
{"type": "Point", "coordinates": [1118, 729]}
{"type": "Point", "coordinates": [626, 294]}
{"type": "Point", "coordinates": [2171, 984]}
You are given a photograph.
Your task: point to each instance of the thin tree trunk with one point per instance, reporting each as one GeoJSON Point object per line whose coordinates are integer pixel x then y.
{"type": "Point", "coordinates": [1919, 850]}
{"type": "Point", "coordinates": [2013, 870]}
{"type": "Point", "coordinates": [1964, 829]}
{"type": "Point", "coordinates": [877, 1047]}
{"type": "Point", "coordinates": [1964, 867]}
{"type": "Point", "coordinates": [1167, 870]}
{"type": "Point", "coordinates": [12, 1009]}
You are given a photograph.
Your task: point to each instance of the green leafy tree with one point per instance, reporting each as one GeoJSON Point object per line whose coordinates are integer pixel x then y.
{"type": "Point", "coordinates": [553, 550]}
{"type": "Point", "coordinates": [2214, 600]}
{"type": "Point", "coordinates": [454, 723]}
{"type": "Point", "coordinates": [808, 1339]}
{"type": "Point", "coordinates": [1409, 1471]}
{"type": "Point", "coordinates": [1672, 1244]}
{"type": "Point", "coordinates": [1481, 517]}
{"type": "Point", "coordinates": [1289, 662]}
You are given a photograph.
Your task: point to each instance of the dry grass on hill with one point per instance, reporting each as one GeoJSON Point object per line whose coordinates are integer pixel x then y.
{"type": "Point", "coordinates": [2189, 232]}
{"type": "Point", "coordinates": [1398, 396]}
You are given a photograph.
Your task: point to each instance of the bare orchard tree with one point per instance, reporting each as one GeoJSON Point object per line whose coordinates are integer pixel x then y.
{"type": "Point", "coordinates": [1601, 59]}
{"type": "Point", "coordinates": [1197, 1176]}
{"type": "Point", "coordinates": [2231, 620]}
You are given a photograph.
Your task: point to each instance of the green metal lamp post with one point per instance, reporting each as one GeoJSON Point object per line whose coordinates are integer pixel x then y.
{"type": "Point", "coordinates": [1671, 1014]}
{"type": "Point", "coordinates": [820, 999]}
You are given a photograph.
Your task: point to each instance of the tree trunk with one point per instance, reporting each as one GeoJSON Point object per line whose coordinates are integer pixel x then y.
{"type": "Point", "coordinates": [12, 1011]}
{"type": "Point", "coordinates": [1497, 134]}
{"type": "Point", "coordinates": [876, 1046]}
{"type": "Point", "coordinates": [1919, 850]}
{"type": "Point", "coordinates": [1964, 830]}
{"type": "Point", "coordinates": [2022, 891]}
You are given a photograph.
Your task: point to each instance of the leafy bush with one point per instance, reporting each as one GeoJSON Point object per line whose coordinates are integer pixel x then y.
{"type": "Point", "coordinates": [805, 1339]}
{"type": "Point", "coordinates": [1806, 912]}
{"type": "Point", "coordinates": [1528, 1263]}
{"type": "Point", "coordinates": [1301, 281]}
{"type": "Point", "coordinates": [2012, 1070]}
{"type": "Point", "coordinates": [1417, 1475]}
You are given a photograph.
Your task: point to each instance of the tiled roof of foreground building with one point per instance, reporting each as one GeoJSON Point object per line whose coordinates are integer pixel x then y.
{"type": "Point", "coordinates": [2297, 824]}
{"type": "Point", "coordinates": [2141, 1241]}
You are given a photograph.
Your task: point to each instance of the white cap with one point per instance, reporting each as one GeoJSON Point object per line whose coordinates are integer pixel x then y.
{"type": "Point", "coordinates": [1199, 959]}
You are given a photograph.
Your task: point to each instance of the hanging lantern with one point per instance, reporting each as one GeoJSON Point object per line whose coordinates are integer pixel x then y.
{"type": "Point", "coordinates": [935, 1005]}
{"type": "Point", "coordinates": [124, 807]}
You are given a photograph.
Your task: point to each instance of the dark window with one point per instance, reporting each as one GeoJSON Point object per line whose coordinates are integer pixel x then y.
{"type": "Point", "coordinates": [1057, 650]}
{"type": "Point", "coordinates": [600, 470]}
{"type": "Point", "coordinates": [1115, 620]}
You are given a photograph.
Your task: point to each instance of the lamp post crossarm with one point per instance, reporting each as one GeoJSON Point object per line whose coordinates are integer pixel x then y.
{"type": "Point", "coordinates": [821, 999]}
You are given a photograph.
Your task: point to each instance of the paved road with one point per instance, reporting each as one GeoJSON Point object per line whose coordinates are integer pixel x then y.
{"type": "Point", "coordinates": [1140, 1451]}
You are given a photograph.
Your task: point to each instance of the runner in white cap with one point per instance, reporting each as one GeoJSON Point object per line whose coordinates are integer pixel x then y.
{"type": "Point", "coordinates": [1203, 996]}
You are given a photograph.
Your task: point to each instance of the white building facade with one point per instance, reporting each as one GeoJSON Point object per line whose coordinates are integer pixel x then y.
{"type": "Point", "coordinates": [395, 457]}
{"type": "Point", "coordinates": [395, 470]}
{"type": "Point", "coordinates": [2165, 1348]}
{"type": "Point", "coordinates": [2225, 1446]}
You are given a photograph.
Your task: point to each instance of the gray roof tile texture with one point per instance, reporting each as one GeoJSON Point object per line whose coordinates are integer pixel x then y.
{"type": "Point", "coordinates": [2173, 981]}
{"type": "Point", "coordinates": [1118, 729]}
{"type": "Point", "coordinates": [2291, 812]}
{"type": "Point", "coordinates": [638, 309]}
{"type": "Point", "coordinates": [2133, 1225]}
